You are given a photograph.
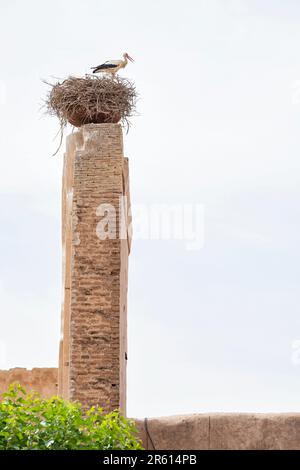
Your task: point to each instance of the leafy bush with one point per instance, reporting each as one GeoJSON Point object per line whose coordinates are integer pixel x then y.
{"type": "Point", "coordinates": [29, 422]}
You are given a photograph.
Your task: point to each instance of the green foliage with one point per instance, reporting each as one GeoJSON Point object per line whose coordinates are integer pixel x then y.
{"type": "Point", "coordinates": [29, 422]}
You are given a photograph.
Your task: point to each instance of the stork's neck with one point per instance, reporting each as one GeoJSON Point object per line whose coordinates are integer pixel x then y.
{"type": "Point", "coordinates": [125, 60]}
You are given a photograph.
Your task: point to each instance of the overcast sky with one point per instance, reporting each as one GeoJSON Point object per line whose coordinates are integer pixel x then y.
{"type": "Point", "coordinates": [219, 125]}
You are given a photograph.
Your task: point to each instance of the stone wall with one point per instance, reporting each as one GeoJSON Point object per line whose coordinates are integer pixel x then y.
{"type": "Point", "coordinates": [234, 431]}
{"type": "Point", "coordinates": [43, 381]}
{"type": "Point", "coordinates": [93, 349]}
{"type": "Point", "coordinates": [220, 431]}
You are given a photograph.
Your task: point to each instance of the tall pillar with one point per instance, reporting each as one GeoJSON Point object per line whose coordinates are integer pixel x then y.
{"type": "Point", "coordinates": [93, 349]}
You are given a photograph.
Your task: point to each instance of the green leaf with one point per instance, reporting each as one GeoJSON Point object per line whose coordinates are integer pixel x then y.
{"type": "Point", "coordinates": [29, 422]}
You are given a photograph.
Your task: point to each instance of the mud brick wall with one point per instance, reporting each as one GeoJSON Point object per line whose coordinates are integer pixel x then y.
{"type": "Point", "coordinates": [41, 380]}
{"type": "Point", "coordinates": [222, 431]}
{"type": "Point", "coordinates": [94, 341]}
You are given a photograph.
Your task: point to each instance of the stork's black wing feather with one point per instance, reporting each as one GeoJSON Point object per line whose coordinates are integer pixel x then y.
{"type": "Point", "coordinates": [104, 67]}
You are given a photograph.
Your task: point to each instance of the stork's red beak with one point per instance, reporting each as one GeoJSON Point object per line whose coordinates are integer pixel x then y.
{"type": "Point", "coordinates": [130, 58]}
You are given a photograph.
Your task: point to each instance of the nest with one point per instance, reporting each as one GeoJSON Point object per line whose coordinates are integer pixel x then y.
{"type": "Point", "coordinates": [93, 99]}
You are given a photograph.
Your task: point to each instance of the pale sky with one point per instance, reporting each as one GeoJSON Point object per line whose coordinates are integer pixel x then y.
{"type": "Point", "coordinates": [218, 125]}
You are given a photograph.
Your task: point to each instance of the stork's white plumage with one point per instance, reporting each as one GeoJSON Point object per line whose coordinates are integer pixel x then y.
{"type": "Point", "coordinates": [113, 66]}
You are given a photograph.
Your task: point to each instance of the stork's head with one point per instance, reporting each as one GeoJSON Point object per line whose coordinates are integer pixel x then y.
{"type": "Point", "coordinates": [127, 56]}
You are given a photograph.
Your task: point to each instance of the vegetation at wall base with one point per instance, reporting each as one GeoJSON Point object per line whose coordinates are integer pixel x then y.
{"type": "Point", "coordinates": [29, 422]}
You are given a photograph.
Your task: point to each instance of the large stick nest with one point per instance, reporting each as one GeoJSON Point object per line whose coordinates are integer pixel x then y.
{"type": "Point", "coordinates": [93, 99]}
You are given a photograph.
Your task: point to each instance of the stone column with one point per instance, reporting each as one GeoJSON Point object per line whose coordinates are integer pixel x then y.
{"type": "Point", "coordinates": [93, 349]}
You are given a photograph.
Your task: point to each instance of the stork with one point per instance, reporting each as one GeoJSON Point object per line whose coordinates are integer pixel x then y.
{"type": "Point", "coordinates": [113, 66]}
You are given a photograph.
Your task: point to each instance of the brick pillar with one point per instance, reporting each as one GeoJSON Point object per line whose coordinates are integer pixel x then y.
{"type": "Point", "coordinates": [93, 348]}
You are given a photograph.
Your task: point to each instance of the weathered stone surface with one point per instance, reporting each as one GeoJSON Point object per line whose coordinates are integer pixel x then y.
{"type": "Point", "coordinates": [234, 431]}
{"type": "Point", "coordinates": [255, 431]}
{"type": "Point", "coordinates": [189, 432]}
{"type": "Point", "coordinates": [94, 345]}
{"type": "Point", "coordinates": [41, 380]}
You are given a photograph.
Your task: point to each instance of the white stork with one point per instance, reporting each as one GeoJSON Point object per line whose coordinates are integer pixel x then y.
{"type": "Point", "coordinates": [112, 66]}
